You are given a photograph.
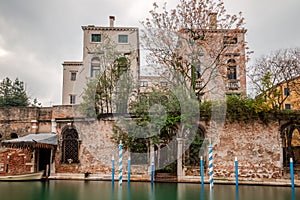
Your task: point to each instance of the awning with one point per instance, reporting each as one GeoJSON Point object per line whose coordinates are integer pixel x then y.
{"type": "Point", "coordinates": [40, 140]}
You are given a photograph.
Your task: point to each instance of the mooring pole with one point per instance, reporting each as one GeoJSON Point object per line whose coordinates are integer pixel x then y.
{"type": "Point", "coordinates": [202, 171]}
{"type": "Point", "coordinates": [128, 171]}
{"type": "Point", "coordinates": [120, 164]}
{"type": "Point", "coordinates": [292, 173]}
{"type": "Point", "coordinates": [236, 164]}
{"type": "Point", "coordinates": [152, 171]}
{"type": "Point", "coordinates": [210, 167]}
{"type": "Point", "coordinates": [113, 169]}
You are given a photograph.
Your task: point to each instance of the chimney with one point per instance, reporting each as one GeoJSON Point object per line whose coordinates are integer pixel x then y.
{"type": "Point", "coordinates": [213, 20]}
{"type": "Point", "coordinates": [111, 21]}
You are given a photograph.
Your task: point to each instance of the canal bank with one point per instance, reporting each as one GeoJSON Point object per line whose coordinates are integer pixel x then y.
{"type": "Point", "coordinates": [186, 179]}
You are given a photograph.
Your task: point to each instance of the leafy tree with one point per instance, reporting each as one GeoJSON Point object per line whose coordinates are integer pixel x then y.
{"type": "Point", "coordinates": [13, 94]}
{"type": "Point", "coordinates": [193, 39]}
{"type": "Point", "coordinates": [272, 72]}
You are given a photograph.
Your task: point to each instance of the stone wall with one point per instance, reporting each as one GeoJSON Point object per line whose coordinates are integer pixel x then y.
{"type": "Point", "coordinates": [256, 145]}
{"type": "Point", "coordinates": [15, 161]}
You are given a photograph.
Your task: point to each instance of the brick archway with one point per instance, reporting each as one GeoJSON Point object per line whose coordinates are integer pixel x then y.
{"type": "Point", "coordinates": [290, 135]}
{"type": "Point", "coordinates": [70, 145]}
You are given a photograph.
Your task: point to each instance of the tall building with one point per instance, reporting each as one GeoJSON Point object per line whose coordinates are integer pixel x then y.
{"type": "Point", "coordinates": [102, 45]}
{"type": "Point", "coordinates": [212, 59]}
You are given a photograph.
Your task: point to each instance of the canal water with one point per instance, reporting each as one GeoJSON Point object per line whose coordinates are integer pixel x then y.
{"type": "Point", "coordinates": [98, 190]}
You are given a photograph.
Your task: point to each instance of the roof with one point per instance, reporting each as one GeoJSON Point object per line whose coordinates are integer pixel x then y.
{"type": "Point", "coordinates": [100, 28]}
{"type": "Point", "coordinates": [40, 140]}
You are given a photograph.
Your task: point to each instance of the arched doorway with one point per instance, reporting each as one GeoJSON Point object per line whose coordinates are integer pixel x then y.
{"type": "Point", "coordinates": [70, 145]}
{"type": "Point", "coordinates": [290, 135]}
{"type": "Point", "coordinates": [193, 153]}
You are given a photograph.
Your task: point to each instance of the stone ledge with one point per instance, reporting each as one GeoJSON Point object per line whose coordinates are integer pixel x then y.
{"type": "Point", "coordinates": [184, 179]}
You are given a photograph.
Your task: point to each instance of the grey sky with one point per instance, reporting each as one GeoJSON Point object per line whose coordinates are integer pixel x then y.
{"type": "Point", "coordinates": [37, 36]}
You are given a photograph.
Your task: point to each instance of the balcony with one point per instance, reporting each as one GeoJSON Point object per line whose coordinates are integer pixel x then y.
{"type": "Point", "coordinates": [233, 85]}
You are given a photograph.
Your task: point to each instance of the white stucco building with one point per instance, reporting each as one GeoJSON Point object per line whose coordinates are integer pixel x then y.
{"type": "Point", "coordinates": [101, 45]}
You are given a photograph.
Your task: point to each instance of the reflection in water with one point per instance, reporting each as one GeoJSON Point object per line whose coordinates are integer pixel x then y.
{"type": "Point", "coordinates": [236, 193]}
{"type": "Point", "coordinates": [152, 197]}
{"type": "Point", "coordinates": [128, 191]}
{"type": "Point", "coordinates": [112, 197]}
{"type": "Point", "coordinates": [202, 193]}
{"type": "Point", "coordinates": [211, 194]}
{"type": "Point", "coordinates": [120, 193]}
{"type": "Point", "coordinates": [293, 194]}
{"type": "Point", "coordinates": [97, 190]}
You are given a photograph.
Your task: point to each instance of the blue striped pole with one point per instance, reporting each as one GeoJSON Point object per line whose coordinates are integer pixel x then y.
{"type": "Point", "coordinates": [113, 169]}
{"type": "Point", "coordinates": [120, 164]}
{"type": "Point", "coordinates": [152, 170]}
{"type": "Point", "coordinates": [202, 171]}
{"type": "Point", "coordinates": [210, 167]}
{"type": "Point", "coordinates": [292, 173]}
{"type": "Point", "coordinates": [236, 172]}
{"type": "Point", "coordinates": [128, 171]}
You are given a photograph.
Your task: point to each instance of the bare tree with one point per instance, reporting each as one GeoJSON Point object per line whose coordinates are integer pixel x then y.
{"type": "Point", "coordinates": [196, 39]}
{"type": "Point", "coordinates": [272, 73]}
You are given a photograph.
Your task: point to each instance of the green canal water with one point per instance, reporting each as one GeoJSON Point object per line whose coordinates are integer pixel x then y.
{"type": "Point", "coordinates": [98, 190]}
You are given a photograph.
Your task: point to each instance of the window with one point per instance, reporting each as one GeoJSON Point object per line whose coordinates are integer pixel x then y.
{"type": "Point", "coordinates": [144, 83]}
{"type": "Point", "coordinates": [95, 67]}
{"type": "Point", "coordinates": [123, 64]}
{"type": "Point", "coordinates": [163, 84]}
{"type": "Point", "coordinates": [287, 106]}
{"type": "Point", "coordinates": [70, 146]}
{"type": "Point", "coordinates": [96, 38]}
{"type": "Point", "coordinates": [123, 39]}
{"type": "Point", "coordinates": [198, 74]}
{"type": "Point", "coordinates": [72, 99]}
{"type": "Point", "coordinates": [230, 40]}
{"type": "Point", "coordinates": [73, 76]}
{"type": "Point", "coordinates": [231, 70]}
{"type": "Point", "coordinates": [286, 91]}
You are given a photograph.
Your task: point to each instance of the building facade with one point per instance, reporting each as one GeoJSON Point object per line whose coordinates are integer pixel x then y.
{"type": "Point", "coordinates": [84, 148]}
{"type": "Point", "coordinates": [101, 47]}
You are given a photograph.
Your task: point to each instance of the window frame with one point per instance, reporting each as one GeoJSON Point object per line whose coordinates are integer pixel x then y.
{"type": "Point", "coordinates": [286, 91]}
{"type": "Point", "coordinates": [73, 76]}
{"type": "Point", "coordinates": [70, 137]}
{"type": "Point", "coordinates": [287, 106]}
{"type": "Point", "coordinates": [95, 67]}
{"type": "Point", "coordinates": [163, 83]}
{"type": "Point", "coordinates": [143, 83]}
{"type": "Point", "coordinates": [96, 34]}
{"type": "Point", "coordinates": [230, 40]}
{"type": "Point", "coordinates": [72, 99]}
{"type": "Point", "coordinates": [121, 42]}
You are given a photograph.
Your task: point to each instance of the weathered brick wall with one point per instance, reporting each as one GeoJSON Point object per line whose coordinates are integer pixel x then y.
{"type": "Point", "coordinates": [96, 148]}
{"type": "Point", "coordinates": [257, 147]}
{"type": "Point", "coordinates": [15, 161]}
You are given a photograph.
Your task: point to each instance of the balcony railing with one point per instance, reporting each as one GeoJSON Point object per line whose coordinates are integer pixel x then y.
{"type": "Point", "coordinates": [233, 84]}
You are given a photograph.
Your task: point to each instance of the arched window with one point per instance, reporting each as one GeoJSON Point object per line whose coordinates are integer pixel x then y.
{"type": "Point", "coordinates": [122, 65]}
{"type": "Point", "coordinates": [95, 67]}
{"type": "Point", "coordinates": [231, 69]}
{"type": "Point", "coordinates": [70, 146]}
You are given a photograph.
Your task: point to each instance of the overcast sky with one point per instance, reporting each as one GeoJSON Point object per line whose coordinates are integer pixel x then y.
{"type": "Point", "coordinates": [37, 36]}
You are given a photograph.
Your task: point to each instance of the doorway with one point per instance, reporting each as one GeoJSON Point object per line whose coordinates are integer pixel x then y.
{"type": "Point", "coordinates": [44, 157]}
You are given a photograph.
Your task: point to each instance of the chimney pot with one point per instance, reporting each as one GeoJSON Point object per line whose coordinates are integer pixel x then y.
{"type": "Point", "coordinates": [213, 20]}
{"type": "Point", "coordinates": [111, 21]}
